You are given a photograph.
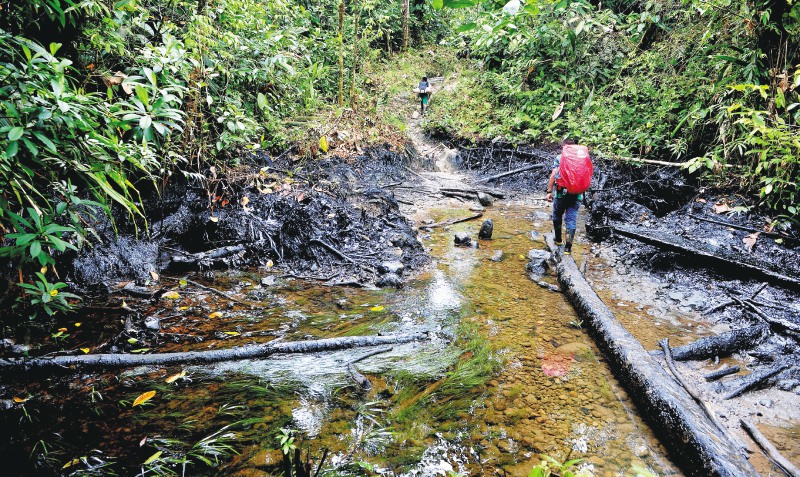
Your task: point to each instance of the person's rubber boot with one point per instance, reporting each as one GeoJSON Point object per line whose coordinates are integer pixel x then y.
{"type": "Point", "coordinates": [568, 246]}
{"type": "Point", "coordinates": [557, 230]}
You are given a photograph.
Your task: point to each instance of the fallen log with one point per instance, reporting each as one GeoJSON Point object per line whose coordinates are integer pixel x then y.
{"type": "Point", "coordinates": [694, 394]}
{"type": "Point", "coordinates": [746, 383]}
{"type": "Point", "coordinates": [749, 305]}
{"type": "Point", "coordinates": [451, 222]}
{"type": "Point", "coordinates": [512, 172]}
{"type": "Point", "coordinates": [721, 373]}
{"type": "Point", "coordinates": [105, 361]}
{"type": "Point", "coordinates": [692, 437]}
{"type": "Point", "coordinates": [742, 227]}
{"type": "Point", "coordinates": [774, 454]}
{"type": "Point", "coordinates": [727, 260]}
{"type": "Point", "coordinates": [492, 192]}
{"type": "Point", "coordinates": [207, 258]}
{"type": "Point", "coordinates": [722, 344]}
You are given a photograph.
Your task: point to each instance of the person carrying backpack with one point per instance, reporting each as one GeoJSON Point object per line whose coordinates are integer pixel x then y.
{"type": "Point", "coordinates": [424, 94]}
{"type": "Point", "coordinates": [571, 177]}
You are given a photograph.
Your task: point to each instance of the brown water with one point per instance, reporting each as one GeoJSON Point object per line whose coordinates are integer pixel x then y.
{"type": "Point", "coordinates": [521, 381]}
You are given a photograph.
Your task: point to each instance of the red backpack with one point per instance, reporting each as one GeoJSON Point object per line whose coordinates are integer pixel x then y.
{"type": "Point", "coordinates": [575, 169]}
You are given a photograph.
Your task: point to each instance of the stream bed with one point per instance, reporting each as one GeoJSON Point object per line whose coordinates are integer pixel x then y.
{"type": "Point", "coordinates": [507, 377]}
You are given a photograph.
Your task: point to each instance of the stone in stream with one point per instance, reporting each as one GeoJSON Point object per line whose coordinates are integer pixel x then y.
{"type": "Point", "coordinates": [462, 239]}
{"type": "Point", "coordinates": [477, 208]}
{"type": "Point", "coordinates": [485, 199]}
{"type": "Point", "coordinates": [394, 266]}
{"type": "Point", "coordinates": [486, 230]}
{"type": "Point", "coordinates": [497, 256]}
{"type": "Point", "coordinates": [537, 265]}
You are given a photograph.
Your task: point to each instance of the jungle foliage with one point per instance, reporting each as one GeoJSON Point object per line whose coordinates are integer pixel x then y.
{"type": "Point", "coordinates": [99, 98]}
{"type": "Point", "coordinates": [710, 83]}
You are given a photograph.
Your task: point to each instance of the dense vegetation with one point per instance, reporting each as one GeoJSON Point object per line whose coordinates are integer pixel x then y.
{"type": "Point", "coordinates": [707, 82]}
{"type": "Point", "coordinates": [100, 98]}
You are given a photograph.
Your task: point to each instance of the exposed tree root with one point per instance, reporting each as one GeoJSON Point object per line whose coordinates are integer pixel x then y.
{"type": "Point", "coordinates": [790, 469]}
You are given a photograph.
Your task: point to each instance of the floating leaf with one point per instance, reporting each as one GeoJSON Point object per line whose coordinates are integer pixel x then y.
{"type": "Point", "coordinates": [750, 241]}
{"type": "Point", "coordinates": [154, 275]}
{"type": "Point", "coordinates": [132, 340]}
{"type": "Point", "coordinates": [216, 314]}
{"type": "Point", "coordinates": [173, 295]}
{"type": "Point", "coordinates": [63, 330]}
{"type": "Point", "coordinates": [140, 350]}
{"type": "Point", "coordinates": [376, 308]}
{"type": "Point", "coordinates": [323, 143]}
{"type": "Point", "coordinates": [182, 282]}
{"type": "Point", "coordinates": [78, 325]}
{"type": "Point", "coordinates": [245, 200]}
{"type": "Point", "coordinates": [721, 207]}
{"type": "Point", "coordinates": [231, 333]}
{"type": "Point", "coordinates": [21, 400]}
{"type": "Point", "coordinates": [153, 457]}
{"type": "Point", "coordinates": [85, 350]}
{"type": "Point", "coordinates": [213, 219]}
{"type": "Point", "coordinates": [143, 398]}
{"type": "Point", "coordinates": [143, 441]}
{"type": "Point", "coordinates": [175, 377]}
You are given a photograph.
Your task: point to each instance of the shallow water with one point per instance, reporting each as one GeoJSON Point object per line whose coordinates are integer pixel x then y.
{"type": "Point", "coordinates": [432, 408]}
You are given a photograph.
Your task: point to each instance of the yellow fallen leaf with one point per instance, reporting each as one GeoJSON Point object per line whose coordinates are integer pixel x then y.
{"type": "Point", "coordinates": [85, 350]}
{"type": "Point", "coordinates": [231, 333]}
{"type": "Point", "coordinates": [182, 282]}
{"type": "Point", "coordinates": [143, 398]}
{"type": "Point", "coordinates": [152, 458]}
{"type": "Point", "coordinates": [245, 200]}
{"type": "Point", "coordinates": [20, 400]}
{"type": "Point", "coordinates": [175, 377]}
{"type": "Point", "coordinates": [77, 325]}
{"type": "Point", "coordinates": [173, 295]}
{"type": "Point", "coordinates": [213, 219]}
{"type": "Point", "coordinates": [74, 461]}
{"type": "Point", "coordinates": [63, 330]}
{"type": "Point", "coordinates": [140, 350]}
{"type": "Point", "coordinates": [132, 340]}
{"type": "Point", "coordinates": [154, 275]}
{"type": "Point", "coordinates": [323, 143]}
{"type": "Point", "coordinates": [376, 308]}
{"type": "Point", "coordinates": [216, 314]}
{"type": "Point", "coordinates": [270, 264]}
{"type": "Point", "coordinates": [183, 308]}
{"type": "Point", "coordinates": [43, 270]}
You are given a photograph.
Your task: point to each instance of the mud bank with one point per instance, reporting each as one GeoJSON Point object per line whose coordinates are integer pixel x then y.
{"type": "Point", "coordinates": [328, 220]}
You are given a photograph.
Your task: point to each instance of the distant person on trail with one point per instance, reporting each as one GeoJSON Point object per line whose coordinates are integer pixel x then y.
{"type": "Point", "coordinates": [571, 176]}
{"type": "Point", "coordinates": [424, 94]}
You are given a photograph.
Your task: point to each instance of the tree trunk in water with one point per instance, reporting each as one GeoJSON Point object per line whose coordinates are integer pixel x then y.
{"type": "Point", "coordinates": [341, 53]}
{"type": "Point", "coordinates": [105, 361]}
{"type": "Point", "coordinates": [684, 426]}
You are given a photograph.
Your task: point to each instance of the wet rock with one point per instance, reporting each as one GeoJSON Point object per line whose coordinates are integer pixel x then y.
{"type": "Point", "coordinates": [390, 280]}
{"type": "Point", "coordinates": [497, 256]}
{"type": "Point", "coordinates": [462, 239]}
{"type": "Point", "coordinates": [477, 208]}
{"type": "Point", "coordinates": [537, 266]}
{"type": "Point", "coordinates": [485, 199]}
{"type": "Point", "coordinates": [152, 323]}
{"type": "Point", "coordinates": [486, 230]}
{"type": "Point", "coordinates": [268, 281]}
{"type": "Point", "coordinates": [767, 403]}
{"type": "Point", "coordinates": [395, 267]}
{"type": "Point", "coordinates": [535, 236]}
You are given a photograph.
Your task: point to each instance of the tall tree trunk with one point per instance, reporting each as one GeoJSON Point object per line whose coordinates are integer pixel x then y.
{"type": "Point", "coordinates": [406, 13]}
{"type": "Point", "coordinates": [341, 53]}
{"type": "Point", "coordinates": [356, 18]}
